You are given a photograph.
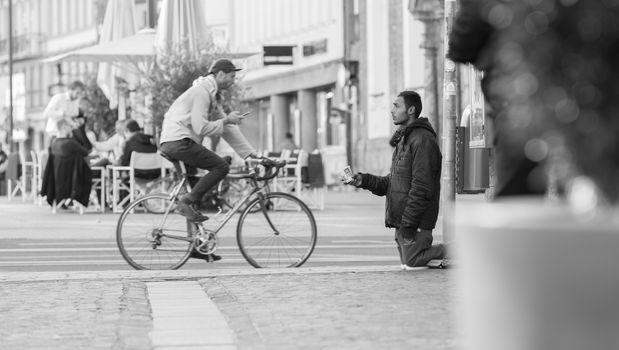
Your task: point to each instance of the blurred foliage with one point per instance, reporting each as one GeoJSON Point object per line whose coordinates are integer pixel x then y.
{"type": "Point", "coordinates": [174, 72]}
{"type": "Point", "coordinates": [96, 108]}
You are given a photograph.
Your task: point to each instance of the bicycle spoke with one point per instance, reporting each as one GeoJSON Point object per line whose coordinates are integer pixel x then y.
{"type": "Point", "coordinates": [150, 239]}
{"type": "Point", "coordinates": [292, 241]}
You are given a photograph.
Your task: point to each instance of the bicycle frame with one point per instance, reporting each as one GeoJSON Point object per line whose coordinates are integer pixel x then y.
{"type": "Point", "coordinates": [256, 189]}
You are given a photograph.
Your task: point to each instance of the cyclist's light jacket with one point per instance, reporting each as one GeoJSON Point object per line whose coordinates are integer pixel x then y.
{"type": "Point", "coordinates": [188, 117]}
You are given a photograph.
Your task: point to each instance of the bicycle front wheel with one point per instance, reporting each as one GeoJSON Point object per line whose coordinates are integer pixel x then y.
{"type": "Point", "coordinates": [281, 234]}
{"type": "Point", "coordinates": [150, 239]}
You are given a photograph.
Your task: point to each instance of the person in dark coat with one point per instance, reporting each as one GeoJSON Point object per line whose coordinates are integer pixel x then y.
{"type": "Point", "coordinates": [67, 174]}
{"type": "Point", "coordinates": [412, 188]}
{"type": "Point", "coordinates": [79, 131]}
{"type": "Point", "coordinates": [551, 80]}
{"type": "Point", "coordinates": [137, 141]}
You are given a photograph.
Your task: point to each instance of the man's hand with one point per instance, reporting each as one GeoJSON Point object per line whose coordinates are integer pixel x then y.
{"type": "Point", "coordinates": [233, 118]}
{"type": "Point", "coordinates": [355, 180]}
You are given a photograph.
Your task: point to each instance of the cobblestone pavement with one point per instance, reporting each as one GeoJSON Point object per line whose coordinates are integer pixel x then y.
{"type": "Point", "coordinates": [367, 310]}
{"type": "Point", "coordinates": [319, 308]}
{"type": "Point", "coordinates": [74, 315]}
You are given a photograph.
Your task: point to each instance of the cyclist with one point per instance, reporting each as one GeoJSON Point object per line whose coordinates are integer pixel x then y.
{"type": "Point", "coordinates": [194, 115]}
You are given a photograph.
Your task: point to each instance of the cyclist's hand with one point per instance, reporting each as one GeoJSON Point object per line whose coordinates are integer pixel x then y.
{"type": "Point", "coordinates": [233, 118]}
{"type": "Point", "coordinates": [268, 162]}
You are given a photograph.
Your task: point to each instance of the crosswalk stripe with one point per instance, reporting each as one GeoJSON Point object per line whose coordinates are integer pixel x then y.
{"type": "Point", "coordinates": [227, 260]}
{"type": "Point", "coordinates": [103, 249]}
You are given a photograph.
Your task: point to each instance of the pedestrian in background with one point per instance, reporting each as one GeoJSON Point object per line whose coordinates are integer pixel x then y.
{"type": "Point", "coordinates": [288, 143]}
{"type": "Point", "coordinates": [63, 106]}
{"type": "Point", "coordinates": [412, 188]}
{"type": "Point", "coordinates": [67, 176]}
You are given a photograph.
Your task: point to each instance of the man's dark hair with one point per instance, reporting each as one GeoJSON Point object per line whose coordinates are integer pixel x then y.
{"type": "Point", "coordinates": [132, 125]}
{"type": "Point", "coordinates": [411, 98]}
{"type": "Point", "coordinates": [77, 85]}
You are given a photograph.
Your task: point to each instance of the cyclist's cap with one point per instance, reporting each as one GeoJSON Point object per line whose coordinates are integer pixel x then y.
{"type": "Point", "coordinates": [223, 65]}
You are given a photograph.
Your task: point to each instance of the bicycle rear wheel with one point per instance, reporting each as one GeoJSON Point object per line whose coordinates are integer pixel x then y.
{"type": "Point", "coordinates": [281, 234]}
{"type": "Point", "coordinates": [148, 239]}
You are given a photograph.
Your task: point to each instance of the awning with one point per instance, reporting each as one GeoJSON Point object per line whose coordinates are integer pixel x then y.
{"type": "Point", "coordinates": [133, 49]}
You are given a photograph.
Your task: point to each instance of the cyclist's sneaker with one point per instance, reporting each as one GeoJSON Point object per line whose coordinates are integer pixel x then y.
{"type": "Point", "coordinates": [206, 257]}
{"type": "Point", "coordinates": [186, 209]}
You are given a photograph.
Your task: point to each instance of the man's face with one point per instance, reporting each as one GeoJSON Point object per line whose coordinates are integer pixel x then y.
{"type": "Point", "coordinates": [225, 80]}
{"type": "Point", "coordinates": [399, 114]}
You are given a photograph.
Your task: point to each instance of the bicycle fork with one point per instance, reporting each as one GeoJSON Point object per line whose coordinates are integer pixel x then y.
{"type": "Point", "coordinates": [264, 209]}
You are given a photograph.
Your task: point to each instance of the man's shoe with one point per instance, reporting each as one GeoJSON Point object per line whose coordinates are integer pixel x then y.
{"type": "Point", "coordinates": [206, 257]}
{"type": "Point", "coordinates": [186, 209]}
{"type": "Point", "coordinates": [411, 268]}
{"type": "Point", "coordinates": [446, 264]}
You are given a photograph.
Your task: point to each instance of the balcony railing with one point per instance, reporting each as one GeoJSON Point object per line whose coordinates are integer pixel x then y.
{"type": "Point", "coordinates": [24, 46]}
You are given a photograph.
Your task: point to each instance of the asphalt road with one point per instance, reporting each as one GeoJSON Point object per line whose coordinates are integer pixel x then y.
{"type": "Point", "coordinates": [350, 232]}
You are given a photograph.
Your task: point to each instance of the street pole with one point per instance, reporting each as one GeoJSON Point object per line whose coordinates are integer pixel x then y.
{"type": "Point", "coordinates": [152, 14]}
{"type": "Point", "coordinates": [10, 138]}
{"type": "Point", "coordinates": [448, 179]}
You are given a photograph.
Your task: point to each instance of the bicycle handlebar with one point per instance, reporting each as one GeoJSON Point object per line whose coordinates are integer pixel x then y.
{"type": "Point", "coordinates": [271, 167]}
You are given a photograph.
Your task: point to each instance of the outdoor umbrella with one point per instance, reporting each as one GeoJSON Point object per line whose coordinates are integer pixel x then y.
{"type": "Point", "coordinates": [119, 22]}
{"type": "Point", "coordinates": [181, 24]}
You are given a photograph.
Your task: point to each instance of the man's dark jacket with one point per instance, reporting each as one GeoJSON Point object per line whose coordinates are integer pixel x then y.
{"type": "Point", "coordinates": [140, 143]}
{"type": "Point", "coordinates": [412, 188]}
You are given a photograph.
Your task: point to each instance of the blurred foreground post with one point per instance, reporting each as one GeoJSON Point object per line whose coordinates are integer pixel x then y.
{"type": "Point", "coordinates": [448, 178]}
{"type": "Point", "coordinates": [534, 276]}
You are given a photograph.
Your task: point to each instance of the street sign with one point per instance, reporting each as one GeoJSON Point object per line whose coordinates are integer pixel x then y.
{"type": "Point", "coordinates": [278, 55]}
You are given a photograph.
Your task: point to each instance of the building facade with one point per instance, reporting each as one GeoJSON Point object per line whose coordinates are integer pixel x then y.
{"type": "Point", "coordinates": [41, 28]}
{"type": "Point", "coordinates": [350, 58]}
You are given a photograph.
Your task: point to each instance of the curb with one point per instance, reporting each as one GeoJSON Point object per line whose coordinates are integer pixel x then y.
{"type": "Point", "coordinates": [181, 275]}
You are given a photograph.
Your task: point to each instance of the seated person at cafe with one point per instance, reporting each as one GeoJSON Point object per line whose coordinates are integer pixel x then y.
{"type": "Point", "coordinates": [137, 141]}
{"type": "Point", "coordinates": [110, 148]}
{"type": "Point", "coordinates": [67, 175]}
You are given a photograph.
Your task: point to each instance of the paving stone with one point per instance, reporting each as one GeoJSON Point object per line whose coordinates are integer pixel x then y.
{"type": "Point", "coordinates": [370, 310]}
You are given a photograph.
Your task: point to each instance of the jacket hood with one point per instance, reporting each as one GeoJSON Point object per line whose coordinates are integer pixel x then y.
{"type": "Point", "coordinates": [207, 81]}
{"type": "Point", "coordinates": [424, 123]}
{"type": "Point", "coordinates": [421, 122]}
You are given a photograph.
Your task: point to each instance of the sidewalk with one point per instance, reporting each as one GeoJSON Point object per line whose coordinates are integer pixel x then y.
{"type": "Point", "coordinates": [318, 308]}
{"type": "Point", "coordinates": [306, 308]}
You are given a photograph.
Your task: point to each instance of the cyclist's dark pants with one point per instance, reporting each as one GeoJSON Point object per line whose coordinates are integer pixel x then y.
{"type": "Point", "coordinates": [197, 156]}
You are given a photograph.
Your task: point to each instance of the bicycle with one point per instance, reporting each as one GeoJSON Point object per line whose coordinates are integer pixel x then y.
{"type": "Point", "coordinates": [282, 232]}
